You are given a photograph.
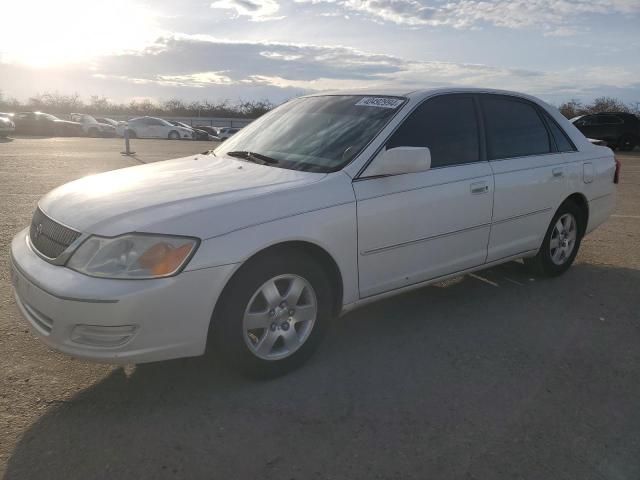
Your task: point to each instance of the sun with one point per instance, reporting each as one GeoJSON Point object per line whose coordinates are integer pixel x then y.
{"type": "Point", "coordinates": [45, 33]}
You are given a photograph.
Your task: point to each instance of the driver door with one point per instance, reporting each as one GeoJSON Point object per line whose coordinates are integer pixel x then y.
{"type": "Point", "coordinates": [419, 226]}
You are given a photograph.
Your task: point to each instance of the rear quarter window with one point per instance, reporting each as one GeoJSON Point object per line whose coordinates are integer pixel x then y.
{"type": "Point", "coordinates": [561, 139]}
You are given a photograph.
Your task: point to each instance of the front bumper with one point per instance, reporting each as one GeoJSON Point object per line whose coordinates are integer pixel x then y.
{"type": "Point", "coordinates": [114, 321]}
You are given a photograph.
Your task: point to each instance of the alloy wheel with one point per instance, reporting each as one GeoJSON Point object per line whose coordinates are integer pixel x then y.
{"type": "Point", "coordinates": [563, 239]}
{"type": "Point", "coordinates": [280, 317]}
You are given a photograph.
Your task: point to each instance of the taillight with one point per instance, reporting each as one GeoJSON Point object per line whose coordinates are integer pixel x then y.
{"type": "Point", "coordinates": [616, 174]}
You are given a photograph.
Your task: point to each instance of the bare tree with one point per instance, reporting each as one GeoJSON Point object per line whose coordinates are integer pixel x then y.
{"type": "Point", "coordinates": [608, 104]}
{"type": "Point", "coordinates": [572, 108]}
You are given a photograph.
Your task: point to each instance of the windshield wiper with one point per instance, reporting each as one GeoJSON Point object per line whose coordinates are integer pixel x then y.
{"type": "Point", "coordinates": [253, 157]}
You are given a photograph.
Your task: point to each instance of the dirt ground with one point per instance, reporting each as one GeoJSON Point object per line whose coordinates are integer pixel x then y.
{"type": "Point", "coordinates": [489, 376]}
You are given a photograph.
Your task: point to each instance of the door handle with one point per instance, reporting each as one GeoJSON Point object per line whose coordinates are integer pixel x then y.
{"type": "Point", "coordinates": [558, 172]}
{"type": "Point", "coordinates": [479, 187]}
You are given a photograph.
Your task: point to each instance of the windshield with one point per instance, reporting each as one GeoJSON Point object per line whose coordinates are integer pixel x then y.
{"type": "Point", "coordinates": [319, 134]}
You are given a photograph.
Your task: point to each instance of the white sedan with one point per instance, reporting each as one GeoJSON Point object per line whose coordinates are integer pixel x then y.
{"type": "Point", "coordinates": [91, 127]}
{"type": "Point", "coordinates": [152, 127]}
{"type": "Point", "coordinates": [7, 127]}
{"type": "Point", "coordinates": [325, 204]}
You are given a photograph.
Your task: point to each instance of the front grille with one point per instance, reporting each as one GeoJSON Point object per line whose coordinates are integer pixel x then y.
{"type": "Point", "coordinates": [48, 236]}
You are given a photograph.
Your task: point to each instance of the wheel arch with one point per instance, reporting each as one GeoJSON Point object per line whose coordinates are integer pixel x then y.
{"type": "Point", "coordinates": [581, 201]}
{"type": "Point", "coordinates": [313, 250]}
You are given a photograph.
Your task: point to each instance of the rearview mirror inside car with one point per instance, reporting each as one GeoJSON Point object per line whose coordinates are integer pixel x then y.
{"type": "Point", "coordinates": [399, 160]}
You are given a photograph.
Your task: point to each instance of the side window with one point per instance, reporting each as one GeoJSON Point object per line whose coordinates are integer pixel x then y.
{"type": "Point", "coordinates": [446, 124]}
{"type": "Point", "coordinates": [610, 120]}
{"type": "Point", "coordinates": [562, 140]}
{"type": "Point", "coordinates": [588, 121]}
{"type": "Point", "coordinates": [514, 128]}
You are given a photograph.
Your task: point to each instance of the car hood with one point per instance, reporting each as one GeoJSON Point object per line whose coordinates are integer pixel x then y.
{"type": "Point", "coordinates": [176, 196]}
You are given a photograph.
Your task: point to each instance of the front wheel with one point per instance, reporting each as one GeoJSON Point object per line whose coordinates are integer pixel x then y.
{"type": "Point", "coordinates": [273, 314]}
{"type": "Point", "coordinates": [561, 242]}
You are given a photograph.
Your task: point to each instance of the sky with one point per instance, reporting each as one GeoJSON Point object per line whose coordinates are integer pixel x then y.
{"type": "Point", "coordinates": [277, 49]}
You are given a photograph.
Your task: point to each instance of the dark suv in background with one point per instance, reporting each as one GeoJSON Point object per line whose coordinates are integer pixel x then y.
{"type": "Point", "coordinates": [619, 130]}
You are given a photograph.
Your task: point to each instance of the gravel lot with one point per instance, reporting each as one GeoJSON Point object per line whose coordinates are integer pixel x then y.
{"type": "Point", "coordinates": [489, 376]}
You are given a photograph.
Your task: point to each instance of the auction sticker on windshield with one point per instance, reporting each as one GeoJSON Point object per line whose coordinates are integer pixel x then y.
{"type": "Point", "coordinates": [381, 102]}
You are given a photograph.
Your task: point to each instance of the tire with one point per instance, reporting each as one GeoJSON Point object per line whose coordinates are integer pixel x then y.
{"type": "Point", "coordinates": [173, 135]}
{"type": "Point", "coordinates": [626, 143]}
{"type": "Point", "coordinates": [93, 132]}
{"type": "Point", "coordinates": [561, 244]}
{"type": "Point", "coordinates": [132, 134]}
{"type": "Point", "coordinates": [285, 335]}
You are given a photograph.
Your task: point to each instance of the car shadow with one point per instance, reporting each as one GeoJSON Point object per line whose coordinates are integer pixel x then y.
{"type": "Point", "coordinates": [6, 139]}
{"type": "Point", "coordinates": [493, 375]}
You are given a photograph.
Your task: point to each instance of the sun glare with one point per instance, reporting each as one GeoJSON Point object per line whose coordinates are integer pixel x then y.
{"type": "Point", "coordinates": [42, 33]}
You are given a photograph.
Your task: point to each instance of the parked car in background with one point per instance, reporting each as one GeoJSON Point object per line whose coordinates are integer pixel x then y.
{"type": "Point", "coordinates": [152, 127]}
{"type": "Point", "coordinates": [618, 129]}
{"type": "Point", "coordinates": [108, 121]}
{"type": "Point", "coordinates": [227, 132]}
{"type": "Point", "coordinates": [39, 123]}
{"type": "Point", "coordinates": [92, 127]}
{"type": "Point", "coordinates": [322, 205]}
{"type": "Point", "coordinates": [197, 133]}
{"type": "Point", "coordinates": [212, 131]}
{"type": "Point", "coordinates": [7, 126]}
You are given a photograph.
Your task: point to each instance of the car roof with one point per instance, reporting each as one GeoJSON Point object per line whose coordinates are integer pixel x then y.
{"type": "Point", "coordinates": [421, 93]}
{"type": "Point", "coordinates": [619, 114]}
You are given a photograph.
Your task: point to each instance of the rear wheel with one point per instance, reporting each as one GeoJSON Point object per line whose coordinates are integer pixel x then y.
{"type": "Point", "coordinates": [561, 242]}
{"type": "Point", "coordinates": [93, 132]}
{"type": "Point", "coordinates": [173, 135]}
{"type": "Point", "coordinates": [273, 314]}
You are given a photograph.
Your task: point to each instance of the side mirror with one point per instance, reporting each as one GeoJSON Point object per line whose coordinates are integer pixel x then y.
{"type": "Point", "coordinates": [399, 160]}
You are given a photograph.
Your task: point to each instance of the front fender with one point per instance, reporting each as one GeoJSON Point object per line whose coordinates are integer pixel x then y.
{"type": "Point", "coordinates": [334, 229]}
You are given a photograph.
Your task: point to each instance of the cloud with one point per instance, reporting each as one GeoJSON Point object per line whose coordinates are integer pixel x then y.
{"type": "Point", "coordinates": [256, 10]}
{"type": "Point", "coordinates": [201, 61]}
{"type": "Point", "coordinates": [195, 67]}
{"type": "Point", "coordinates": [553, 17]}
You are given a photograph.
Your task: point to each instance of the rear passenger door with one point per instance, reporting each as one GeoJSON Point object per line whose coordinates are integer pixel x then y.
{"type": "Point", "coordinates": [156, 128]}
{"type": "Point", "coordinates": [419, 226]}
{"type": "Point", "coordinates": [611, 127]}
{"type": "Point", "coordinates": [530, 173]}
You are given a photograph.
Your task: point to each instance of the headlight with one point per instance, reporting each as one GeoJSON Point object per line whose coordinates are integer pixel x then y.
{"type": "Point", "coordinates": [133, 256]}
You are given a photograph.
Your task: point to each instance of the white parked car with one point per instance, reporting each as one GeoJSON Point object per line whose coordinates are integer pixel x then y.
{"type": "Point", "coordinates": [322, 205]}
{"type": "Point", "coordinates": [7, 126]}
{"type": "Point", "coordinates": [91, 127]}
{"type": "Point", "coordinates": [227, 132]}
{"type": "Point", "coordinates": [151, 127]}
